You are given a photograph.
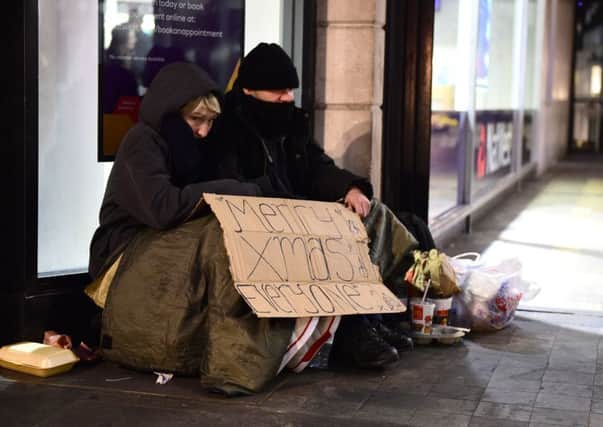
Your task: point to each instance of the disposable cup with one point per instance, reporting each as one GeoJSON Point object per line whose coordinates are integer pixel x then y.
{"type": "Point", "coordinates": [422, 315]}
{"type": "Point", "coordinates": [442, 310]}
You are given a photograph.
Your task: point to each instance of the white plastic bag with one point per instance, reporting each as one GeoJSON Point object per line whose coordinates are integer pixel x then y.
{"type": "Point", "coordinates": [490, 294]}
{"type": "Point", "coordinates": [464, 263]}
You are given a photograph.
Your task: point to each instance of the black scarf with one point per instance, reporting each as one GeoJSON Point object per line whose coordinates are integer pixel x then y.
{"type": "Point", "coordinates": [270, 118]}
{"type": "Point", "coordinates": [187, 155]}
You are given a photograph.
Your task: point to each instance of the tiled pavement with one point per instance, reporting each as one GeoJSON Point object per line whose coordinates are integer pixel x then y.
{"type": "Point", "coordinates": [554, 226]}
{"type": "Point", "coordinates": [545, 369]}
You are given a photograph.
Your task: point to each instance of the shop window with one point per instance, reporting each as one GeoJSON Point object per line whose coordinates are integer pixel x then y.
{"type": "Point", "coordinates": [588, 70]}
{"type": "Point", "coordinates": [495, 87]}
{"type": "Point", "coordinates": [276, 21]}
{"type": "Point", "coordinates": [449, 104]}
{"type": "Point", "coordinates": [71, 180]}
{"type": "Point", "coordinates": [484, 96]}
{"type": "Point", "coordinates": [531, 90]}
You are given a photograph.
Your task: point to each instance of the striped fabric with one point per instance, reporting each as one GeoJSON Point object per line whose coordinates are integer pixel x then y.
{"type": "Point", "coordinates": [308, 337]}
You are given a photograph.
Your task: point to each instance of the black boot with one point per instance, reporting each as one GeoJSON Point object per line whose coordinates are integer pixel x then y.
{"type": "Point", "coordinates": [395, 336]}
{"type": "Point", "coordinates": [363, 348]}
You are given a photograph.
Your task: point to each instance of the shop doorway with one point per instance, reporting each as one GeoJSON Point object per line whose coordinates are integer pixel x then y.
{"type": "Point", "coordinates": [587, 106]}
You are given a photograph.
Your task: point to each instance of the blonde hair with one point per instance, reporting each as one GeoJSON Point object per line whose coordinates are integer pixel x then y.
{"type": "Point", "coordinates": [208, 103]}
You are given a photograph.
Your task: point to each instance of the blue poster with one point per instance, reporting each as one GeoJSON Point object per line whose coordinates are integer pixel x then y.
{"type": "Point", "coordinates": [139, 37]}
{"type": "Point", "coordinates": [482, 62]}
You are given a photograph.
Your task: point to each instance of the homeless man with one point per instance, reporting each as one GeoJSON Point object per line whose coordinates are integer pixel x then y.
{"type": "Point", "coordinates": [171, 305]}
{"type": "Point", "coordinates": [265, 140]}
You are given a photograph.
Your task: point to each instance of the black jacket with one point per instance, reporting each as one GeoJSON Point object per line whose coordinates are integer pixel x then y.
{"type": "Point", "coordinates": [142, 190]}
{"type": "Point", "coordinates": [248, 156]}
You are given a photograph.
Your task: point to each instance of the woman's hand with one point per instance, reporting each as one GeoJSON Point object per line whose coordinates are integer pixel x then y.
{"type": "Point", "coordinates": [357, 202]}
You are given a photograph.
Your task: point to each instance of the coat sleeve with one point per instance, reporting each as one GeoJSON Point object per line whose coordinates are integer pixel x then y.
{"type": "Point", "coordinates": [327, 180]}
{"type": "Point", "coordinates": [143, 187]}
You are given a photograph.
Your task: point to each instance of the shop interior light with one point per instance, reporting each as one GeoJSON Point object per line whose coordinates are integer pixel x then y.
{"type": "Point", "coordinates": [595, 80]}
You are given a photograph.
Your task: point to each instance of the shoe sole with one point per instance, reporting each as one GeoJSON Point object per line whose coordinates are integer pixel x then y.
{"type": "Point", "coordinates": [393, 358]}
{"type": "Point", "coordinates": [407, 349]}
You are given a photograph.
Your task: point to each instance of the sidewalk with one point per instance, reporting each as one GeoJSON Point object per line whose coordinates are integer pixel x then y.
{"type": "Point", "coordinates": [555, 227]}
{"type": "Point", "coordinates": [545, 369]}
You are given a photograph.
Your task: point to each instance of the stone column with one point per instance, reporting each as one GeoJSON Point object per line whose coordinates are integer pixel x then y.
{"type": "Point", "coordinates": [349, 83]}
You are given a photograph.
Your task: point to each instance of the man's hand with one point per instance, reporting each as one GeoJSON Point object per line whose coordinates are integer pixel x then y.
{"type": "Point", "coordinates": [358, 202]}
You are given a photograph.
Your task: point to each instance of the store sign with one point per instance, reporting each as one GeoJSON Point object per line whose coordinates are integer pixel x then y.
{"type": "Point", "coordinates": [139, 37]}
{"type": "Point", "coordinates": [494, 141]}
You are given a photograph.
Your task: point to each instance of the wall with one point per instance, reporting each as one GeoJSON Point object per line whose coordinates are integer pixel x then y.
{"type": "Point", "coordinates": [555, 78]}
{"type": "Point", "coordinates": [349, 83]}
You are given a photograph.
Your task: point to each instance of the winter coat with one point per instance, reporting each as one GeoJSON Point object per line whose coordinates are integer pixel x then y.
{"type": "Point", "coordinates": [172, 305]}
{"type": "Point", "coordinates": [311, 174]}
{"type": "Point", "coordinates": [141, 191]}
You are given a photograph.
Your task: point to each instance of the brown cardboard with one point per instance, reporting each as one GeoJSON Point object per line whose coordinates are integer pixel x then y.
{"type": "Point", "coordinates": [299, 258]}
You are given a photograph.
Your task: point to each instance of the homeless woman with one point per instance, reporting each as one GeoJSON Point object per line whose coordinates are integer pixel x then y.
{"type": "Point", "coordinates": [158, 258]}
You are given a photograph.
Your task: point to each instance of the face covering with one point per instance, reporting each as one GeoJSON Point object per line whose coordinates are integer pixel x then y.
{"type": "Point", "coordinates": [271, 118]}
{"type": "Point", "coordinates": [185, 150]}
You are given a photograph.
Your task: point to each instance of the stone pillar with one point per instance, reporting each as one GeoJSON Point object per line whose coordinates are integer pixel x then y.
{"type": "Point", "coordinates": [350, 43]}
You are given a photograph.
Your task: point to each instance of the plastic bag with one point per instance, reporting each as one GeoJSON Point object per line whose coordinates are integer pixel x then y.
{"type": "Point", "coordinates": [490, 295]}
{"type": "Point", "coordinates": [434, 267]}
{"type": "Point", "coordinates": [464, 263]}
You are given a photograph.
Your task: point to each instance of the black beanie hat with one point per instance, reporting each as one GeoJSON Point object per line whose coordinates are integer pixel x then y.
{"type": "Point", "coordinates": [266, 67]}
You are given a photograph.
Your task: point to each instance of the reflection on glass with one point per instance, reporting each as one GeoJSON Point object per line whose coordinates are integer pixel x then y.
{"type": "Point", "coordinates": [142, 36]}
{"type": "Point", "coordinates": [588, 70]}
{"type": "Point", "coordinates": [494, 89]}
{"type": "Point", "coordinates": [495, 55]}
{"type": "Point", "coordinates": [448, 112]}
{"type": "Point", "coordinates": [448, 130]}
{"type": "Point", "coordinates": [485, 61]}
{"type": "Point", "coordinates": [530, 103]}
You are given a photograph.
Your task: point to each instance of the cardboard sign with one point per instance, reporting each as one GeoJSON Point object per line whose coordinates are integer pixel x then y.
{"type": "Point", "coordinates": [300, 258]}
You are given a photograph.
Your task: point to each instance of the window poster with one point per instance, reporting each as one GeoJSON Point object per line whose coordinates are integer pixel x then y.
{"type": "Point", "coordinates": [484, 37]}
{"type": "Point", "coordinates": [494, 141]}
{"type": "Point", "coordinates": [139, 37]}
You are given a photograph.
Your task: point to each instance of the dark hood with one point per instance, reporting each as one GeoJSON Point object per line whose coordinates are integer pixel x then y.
{"type": "Point", "coordinates": [174, 86]}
